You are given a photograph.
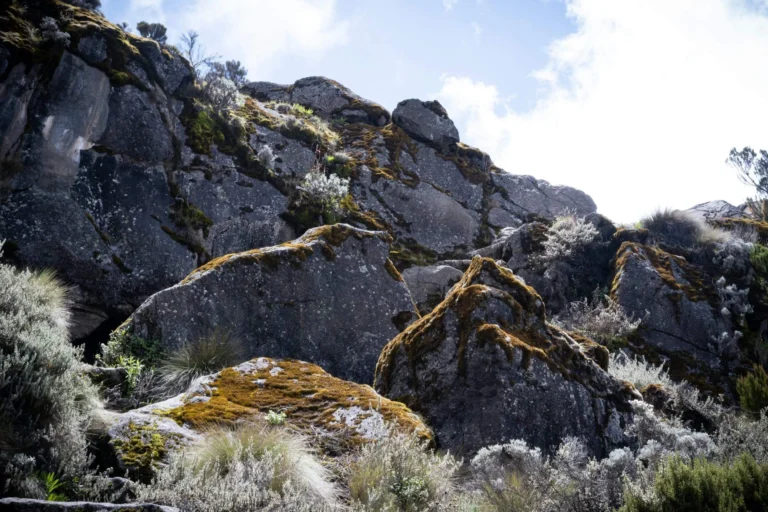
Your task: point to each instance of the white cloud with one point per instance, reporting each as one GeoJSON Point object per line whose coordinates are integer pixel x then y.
{"type": "Point", "coordinates": [640, 105]}
{"type": "Point", "coordinates": [449, 4]}
{"type": "Point", "coordinates": [258, 34]}
{"type": "Point", "coordinates": [477, 29]}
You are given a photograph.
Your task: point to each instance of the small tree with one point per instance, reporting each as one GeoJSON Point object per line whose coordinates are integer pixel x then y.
{"type": "Point", "coordinates": [752, 168]}
{"type": "Point", "coordinates": [156, 31]}
{"type": "Point", "coordinates": [232, 70]}
{"type": "Point", "coordinates": [195, 53]}
{"type": "Point", "coordinates": [753, 390]}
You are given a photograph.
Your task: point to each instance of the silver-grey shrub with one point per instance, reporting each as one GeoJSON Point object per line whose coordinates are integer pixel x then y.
{"type": "Point", "coordinates": [250, 467]}
{"type": "Point", "coordinates": [45, 400]}
{"type": "Point", "coordinates": [566, 236]}
{"type": "Point", "coordinates": [398, 472]}
{"type": "Point", "coordinates": [602, 320]}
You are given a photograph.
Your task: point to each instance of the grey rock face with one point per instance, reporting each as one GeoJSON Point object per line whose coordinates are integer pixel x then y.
{"type": "Point", "coordinates": [426, 121]}
{"type": "Point", "coordinates": [525, 195]}
{"type": "Point", "coordinates": [681, 307]}
{"type": "Point", "coordinates": [325, 97]}
{"type": "Point", "coordinates": [718, 210]}
{"type": "Point", "coordinates": [428, 285]}
{"type": "Point", "coordinates": [484, 367]}
{"type": "Point", "coordinates": [327, 298]}
{"type": "Point", "coordinates": [29, 505]}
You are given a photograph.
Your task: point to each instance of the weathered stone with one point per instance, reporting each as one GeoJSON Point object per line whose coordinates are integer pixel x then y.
{"type": "Point", "coordinates": [426, 121]}
{"type": "Point", "coordinates": [525, 195]}
{"type": "Point", "coordinates": [428, 285]}
{"type": "Point", "coordinates": [93, 48]}
{"type": "Point", "coordinates": [680, 306]}
{"type": "Point", "coordinates": [135, 127]}
{"type": "Point", "coordinates": [718, 210]}
{"type": "Point", "coordinates": [330, 297]}
{"type": "Point", "coordinates": [485, 367]}
{"type": "Point", "coordinates": [327, 98]}
{"type": "Point", "coordinates": [30, 505]}
{"type": "Point", "coordinates": [312, 400]}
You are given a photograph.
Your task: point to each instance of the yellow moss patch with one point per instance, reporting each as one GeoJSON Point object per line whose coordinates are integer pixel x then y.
{"type": "Point", "coordinates": [758, 225]}
{"type": "Point", "coordinates": [308, 396]}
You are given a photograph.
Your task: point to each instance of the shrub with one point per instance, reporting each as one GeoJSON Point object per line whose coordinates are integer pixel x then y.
{"type": "Point", "coordinates": [252, 467]}
{"type": "Point", "coordinates": [276, 418]}
{"type": "Point", "coordinates": [703, 486]}
{"type": "Point", "coordinates": [753, 390]}
{"type": "Point", "coordinates": [682, 229]}
{"type": "Point", "coordinates": [45, 400]}
{"type": "Point", "coordinates": [740, 434]}
{"type": "Point", "coordinates": [154, 31]}
{"type": "Point", "coordinates": [568, 235]}
{"type": "Point", "coordinates": [641, 373]}
{"type": "Point", "coordinates": [398, 472]}
{"type": "Point", "coordinates": [125, 344]}
{"type": "Point", "coordinates": [266, 157]}
{"type": "Point", "coordinates": [602, 320]}
{"type": "Point", "coordinates": [220, 92]}
{"type": "Point", "coordinates": [49, 30]}
{"type": "Point", "coordinates": [205, 356]}
{"type": "Point", "coordinates": [328, 191]}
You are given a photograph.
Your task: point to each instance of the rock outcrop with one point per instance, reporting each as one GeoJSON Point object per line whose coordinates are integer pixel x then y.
{"type": "Point", "coordinates": [339, 414]}
{"type": "Point", "coordinates": [683, 315]}
{"type": "Point", "coordinates": [331, 297]}
{"type": "Point", "coordinates": [119, 175]}
{"type": "Point", "coordinates": [485, 367]}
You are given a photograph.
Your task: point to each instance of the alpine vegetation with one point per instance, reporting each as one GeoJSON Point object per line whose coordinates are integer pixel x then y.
{"type": "Point", "coordinates": [45, 400]}
{"type": "Point", "coordinates": [327, 190]}
{"type": "Point", "coordinates": [602, 319]}
{"type": "Point", "coordinates": [566, 236]}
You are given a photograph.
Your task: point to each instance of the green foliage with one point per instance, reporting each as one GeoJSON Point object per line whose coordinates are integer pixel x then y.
{"type": "Point", "coordinates": [705, 487]}
{"type": "Point", "coordinates": [759, 259]}
{"type": "Point", "coordinates": [411, 493]}
{"type": "Point", "coordinates": [123, 343]}
{"type": "Point", "coordinates": [753, 390]}
{"type": "Point", "coordinates": [52, 486]}
{"type": "Point", "coordinates": [133, 369]}
{"type": "Point", "coordinates": [202, 131]}
{"type": "Point", "coordinates": [189, 215]}
{"type": "Point", "coordinates": [45, 400]}
{"type": "Point", "coordinates": [301, 110]}
{"type": "Point", "coordinates": [276, 418]}
{"type": "Point", "coordinates": [207, 355]}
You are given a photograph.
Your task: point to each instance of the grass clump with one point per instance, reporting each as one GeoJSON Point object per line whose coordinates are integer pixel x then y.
{"type": "Point", "coordinates": [398, 472]}
{"type": "Point", "coordinates": [602, 319]}
{"type": "Point", "coordinates": [207, 355]}
{"type": "Point", "coordinates": [249, 467]}
{"type": "Point", "coordinates": [753, 390]}
{"type": "Point", "coordinates": [45, 400]}
{"type": "Point", "coordinates": [703, 486]}
{"type": "Point", "coordinates": [682, 229]}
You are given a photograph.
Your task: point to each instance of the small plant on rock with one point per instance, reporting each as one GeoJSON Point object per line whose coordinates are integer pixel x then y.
{"type": "Point", "coordinates": [49, 30]}
{"type": "Point", "coordinates": [276, 418]}
{"type": "Point", "coordinates": [753, 390]}
{"type": "Point", "coordinates": [601, 319]}
{"type": "Point", "coordinates": [326, 190]}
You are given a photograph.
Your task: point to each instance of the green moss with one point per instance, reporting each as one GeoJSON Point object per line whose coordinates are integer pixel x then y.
{"type": "Point", "coordinates": [304, 392]}
{"type": "Point", "coordinates": [144, 449]}
{"type": "Point", "coordinates": [189, 215]}
{"type": "Point", "coordinates": [102, 234]}
{"type": "Point", "coordinates": [405, 253]}
{"type": "Point", "coordinates": [121, 265]}
{"type": "Point", "coordinates": [202, 131]}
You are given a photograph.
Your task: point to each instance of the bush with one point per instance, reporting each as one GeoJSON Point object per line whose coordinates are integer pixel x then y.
{"type": "Point", "coordinates": [602, 320]}
{"type": "Point", "coordinates": [398, 472]}
{"type": "Point", "coordinates": [328, 191]}
{"type": "Point", "coordinates": [154, 31]}
{"type": "Point", "coordinates": [753, 390]}
{"type": "Point", "coordinates": [45, 400]}
{"type": "Point", "coordinates": [205, 356]}
{"type": "Point", "coordinates": [566, 236]}
{"type": "Point", "coordinates": [49, 30]}
{"type": "Point", "coordinates": [703, 486]}
{"type": "Point", "coordinates": [252, 467]}
{"type": "Point", "coordinates": [739, 434]}
{"type": "Point", "coordinates": [682, 229]}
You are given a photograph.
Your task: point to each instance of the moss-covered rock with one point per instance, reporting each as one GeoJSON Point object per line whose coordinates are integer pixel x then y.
{"type": "Point", "coordinates": [484, 367]}
{"type": "Point", "coordinates": [343, 413]}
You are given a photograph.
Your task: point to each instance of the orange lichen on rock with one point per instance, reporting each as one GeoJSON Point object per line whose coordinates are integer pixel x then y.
{"type": "Point", "coordinates": [308, 396]}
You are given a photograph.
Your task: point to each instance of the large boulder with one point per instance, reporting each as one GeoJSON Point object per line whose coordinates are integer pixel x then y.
{"type": "Point", "coordinates": [426, 121]}
{"type": "Point", "coordinates": [331, 297]}
{"type": "Point", "coordinates": [715, 210]}
{"type": "Point", "coordinates": [311, 399]}
{"type": "Point", "coordinates": [684, 318]}
{"type": "Point", "coordinates": [429, 285]}
{"type": "Point", "coordinates": [485, 367]}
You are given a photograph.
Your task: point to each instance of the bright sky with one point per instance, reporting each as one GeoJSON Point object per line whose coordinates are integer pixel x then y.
{"type": "Point", "coordinates": [635, 102]}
